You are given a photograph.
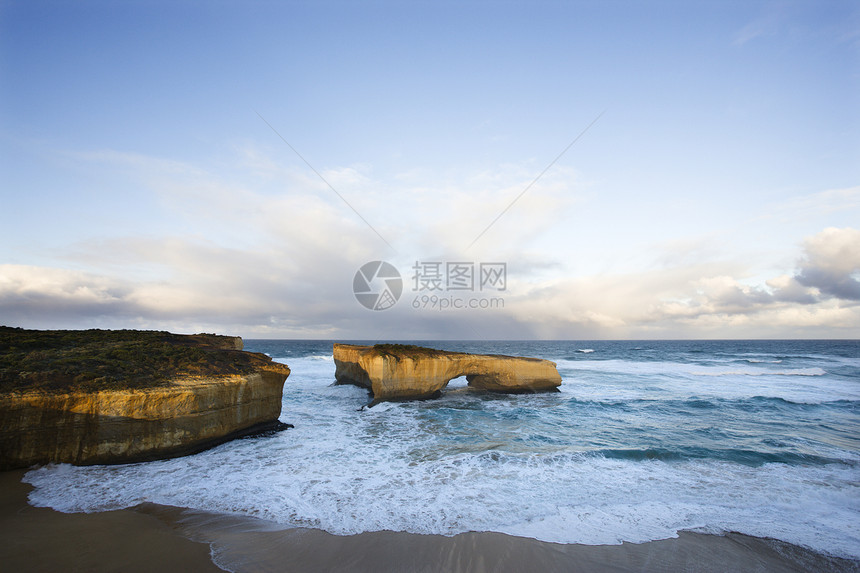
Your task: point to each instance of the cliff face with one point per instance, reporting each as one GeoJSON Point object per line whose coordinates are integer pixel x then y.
{"type": "Point", "coordinates": [126, 426]}
{"type": "Point", "coordinates": [182, 415]}
{"type": "Point", "coordinates": [393, 373]}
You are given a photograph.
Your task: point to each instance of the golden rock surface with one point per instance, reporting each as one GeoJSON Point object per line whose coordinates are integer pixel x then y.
{"type": "Point", "coordinates": [399, 372]}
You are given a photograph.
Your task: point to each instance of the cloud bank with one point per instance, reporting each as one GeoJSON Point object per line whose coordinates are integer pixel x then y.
{"type": "Point", "coordinates": [273, 252]}
{"type": "Point", "coordinates": [258, 294]}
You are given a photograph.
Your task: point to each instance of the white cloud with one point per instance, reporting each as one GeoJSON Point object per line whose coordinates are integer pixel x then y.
{"type": "Point", "coordinates": [34, 295]}
{"type": "Point", "coordinates": [786, 289]}
{"type": "Point", "coordinates": [708, 299]}
{"type": "Point", "coordinates": [821, 203]}
{"type": "Point", "coordinates": [831, 263]}
{"type": "Point", "coordinates": [214, 288]}
{"type": "Point", "coordinates": [276, 256]}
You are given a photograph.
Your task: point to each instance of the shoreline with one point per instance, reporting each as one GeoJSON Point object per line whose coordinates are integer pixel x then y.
{"type": "Point", "coordinates": [42, 539]}
{"type": "Point", "coordinates": [150, 537]}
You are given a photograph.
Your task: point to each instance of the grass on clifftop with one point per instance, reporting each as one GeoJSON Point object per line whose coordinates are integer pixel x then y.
{"type": "Point", "coordinates": [91, 360]}
{"type": "Point", "coordinates": [418, 352]}
{"type": "Point", "coordinates": [406, 350]}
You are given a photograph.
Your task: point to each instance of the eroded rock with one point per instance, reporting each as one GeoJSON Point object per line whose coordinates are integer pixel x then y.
{"type": "Point", "coordinates": [399, 372]}
{"type": "Point", "coordinates": [181, 415]}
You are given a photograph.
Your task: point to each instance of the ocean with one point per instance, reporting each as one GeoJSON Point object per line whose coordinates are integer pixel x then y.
{"type": "Point", "coordinates": [643, 440]}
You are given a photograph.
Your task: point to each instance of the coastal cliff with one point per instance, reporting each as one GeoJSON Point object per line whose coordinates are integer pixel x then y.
{"type": "Point", "coordinates": [92, 397]}
{"type": "Point", "coordinates": [403, 372]}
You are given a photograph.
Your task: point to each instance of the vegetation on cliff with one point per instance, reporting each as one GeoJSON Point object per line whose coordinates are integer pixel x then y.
{"type": "Point", "coordinates": [91, 360]}
{"type": "Point", "coordinates": [418, 352]}
{"type": "Point", "coordinates": [405, 350]}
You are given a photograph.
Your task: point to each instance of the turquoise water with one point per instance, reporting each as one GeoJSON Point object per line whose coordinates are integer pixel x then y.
{"type": "Point", "coordinates": [643, 440]}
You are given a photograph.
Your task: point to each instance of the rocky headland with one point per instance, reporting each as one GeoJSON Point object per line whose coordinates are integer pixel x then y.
{"type": "Point", "coordinates": [99, 396]}
{"type": "Point", "coordinates": [405, 372]}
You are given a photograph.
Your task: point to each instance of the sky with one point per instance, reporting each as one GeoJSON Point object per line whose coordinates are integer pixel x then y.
{"type": "Point", "coordinates": [640, 170]}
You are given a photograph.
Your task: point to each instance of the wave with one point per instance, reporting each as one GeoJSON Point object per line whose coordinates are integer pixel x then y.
{"type": "Point", "coordinates": [585, 350]}
{"type": "Point", "coordinates": [648, 367]}
{"type": "Point", "coordinates": [756, 402]}
{"type": "Point", "coordinates": [604, 498]}
{"type": "Point", "coordinates": [626, 378]}
{"type": "Point", "coordinates": [815, 371]}
{"type": "Point", "coordinates": [745, 457]}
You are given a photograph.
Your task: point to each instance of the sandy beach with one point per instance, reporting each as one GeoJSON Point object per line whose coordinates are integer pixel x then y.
{"type": "Point", "coordinates": [152, 537]}
{"type": "Point", "coordinates": [41, 539]}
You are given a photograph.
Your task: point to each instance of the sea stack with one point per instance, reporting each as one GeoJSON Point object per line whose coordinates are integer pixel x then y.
{"type": "Point", "coordinates": [104, 397]}
{"type": "Point", "coordinates": [406, 372]}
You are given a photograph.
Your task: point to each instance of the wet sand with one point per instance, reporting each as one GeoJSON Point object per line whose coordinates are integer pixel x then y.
{"type": "Point", "coordinates": [41, 539]}
{"type": "Point", "coordinates": [152, 537]}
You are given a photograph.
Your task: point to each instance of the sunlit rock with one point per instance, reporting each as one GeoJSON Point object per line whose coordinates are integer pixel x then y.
{"type": "Point", "coordinates": [130, 420]}
{"type": "Point", "coordinates": [404, 372]}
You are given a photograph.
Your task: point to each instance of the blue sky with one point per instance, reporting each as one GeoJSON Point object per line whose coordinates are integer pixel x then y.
{"type": "Point", "coordinates": [717, 195]}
